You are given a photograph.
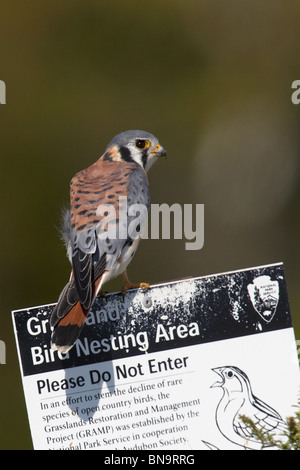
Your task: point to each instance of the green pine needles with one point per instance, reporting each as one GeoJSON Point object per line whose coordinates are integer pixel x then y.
{"type": "Point", "coordinates": [289, 439]}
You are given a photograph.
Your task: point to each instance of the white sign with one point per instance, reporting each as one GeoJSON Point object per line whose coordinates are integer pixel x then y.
{"type": "Point", "coordinates": [170, 368]}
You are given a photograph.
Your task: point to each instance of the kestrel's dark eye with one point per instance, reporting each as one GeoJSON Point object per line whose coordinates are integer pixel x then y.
{"type": "Point", "coordinates": [230, 374]}
{"type": "Point", "coordinates": [140, 144]}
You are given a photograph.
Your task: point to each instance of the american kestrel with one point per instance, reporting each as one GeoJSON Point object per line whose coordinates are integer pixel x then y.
{"type": "Point", "coordinates": [102, 229]}
{"type": "Point", "coordinates": [238, 400]}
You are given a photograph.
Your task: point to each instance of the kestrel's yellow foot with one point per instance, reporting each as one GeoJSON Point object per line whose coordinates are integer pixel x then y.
{"type": "Point", "coordinates": [129, 285]}
{"type": "Point", "coordinates": [102, 293]}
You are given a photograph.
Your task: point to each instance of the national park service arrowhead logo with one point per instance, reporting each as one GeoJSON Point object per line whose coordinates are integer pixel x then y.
{"type": "Point", "coordinates": [264, 295]}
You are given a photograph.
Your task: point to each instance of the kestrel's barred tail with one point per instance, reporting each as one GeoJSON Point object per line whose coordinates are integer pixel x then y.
{"type": "Point", "coordinates": [68, 317]}
{"type": "Point", "coordinates": [68, 329]}
{"type": "Point", "coordinates": [101, 196]}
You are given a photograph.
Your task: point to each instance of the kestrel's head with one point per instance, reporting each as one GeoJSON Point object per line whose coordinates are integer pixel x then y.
{"type": "Point", "coordinates": [135, 146]}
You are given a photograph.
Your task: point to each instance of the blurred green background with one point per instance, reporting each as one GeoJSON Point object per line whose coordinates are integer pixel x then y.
{"type": "Point", "coordinates": [211, 79]}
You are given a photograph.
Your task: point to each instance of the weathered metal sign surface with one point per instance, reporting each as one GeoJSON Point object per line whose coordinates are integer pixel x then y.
{"type": "Point", "coordinates": [153, 357]}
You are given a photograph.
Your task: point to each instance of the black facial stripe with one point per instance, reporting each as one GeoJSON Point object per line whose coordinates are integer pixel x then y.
{"type": "Point", "coordinates": [144, 158]}
{"type": "Point", "coordinates": [126, 154]}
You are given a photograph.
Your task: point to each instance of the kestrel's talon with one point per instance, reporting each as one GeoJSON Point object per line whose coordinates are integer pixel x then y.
{"type": "Point", "coordinates": [102, 293]}
{"type": "Point", "coordinates": [140, 285]}
{"type": "Point", "coordinates": [144, 285]}
{"type": "Point", "coordinates": [129, 285]}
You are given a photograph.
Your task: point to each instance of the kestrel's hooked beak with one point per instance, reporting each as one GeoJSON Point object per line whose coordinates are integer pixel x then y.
{"type": "Point", "coordinates": [159, 151]}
